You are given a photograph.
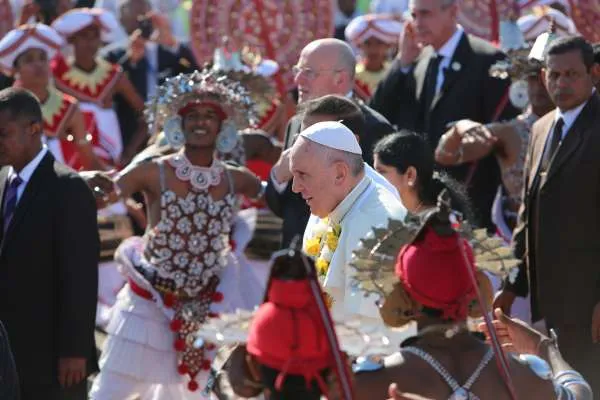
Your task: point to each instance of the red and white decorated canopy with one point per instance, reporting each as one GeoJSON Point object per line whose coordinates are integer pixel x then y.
{"type": "Point", "coordinates": [278, 29]}
{"type": "Point", "coordinates": [481, 17]}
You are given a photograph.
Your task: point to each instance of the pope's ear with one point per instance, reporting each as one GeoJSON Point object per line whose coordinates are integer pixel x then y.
{"type": "Point", "coordinates": [342, 170]}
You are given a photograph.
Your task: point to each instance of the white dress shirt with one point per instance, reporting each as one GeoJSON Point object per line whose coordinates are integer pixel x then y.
{"type": "Point", "coordinates": [568, 118]}
{"type": "Point", "coordinates": [447, 51]}
{"type": "Point", "coordinates": [27, 172]}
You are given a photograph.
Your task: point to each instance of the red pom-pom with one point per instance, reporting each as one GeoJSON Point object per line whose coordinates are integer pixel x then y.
{"type": "Point", "coordinates": [193, 386]}
{"type": "Point", "coordinates": [183, 369]}
{"type": "Point", "coordinates": [206, 365]}
{"type": "Point", "coordinates": [232, 244]}
{"type": "Point", "coordinates": [210, 346]}
{"type": "Point", "coordinates": [218, 297]}
{"type": "Point", "coordinates": [213, 315]}
{"type": "Point", "coordinates": [176, 325]}
{"type": "Point", "coordinates": [179, 344]}
{"type": "Point", "coordinates": [169, 300]}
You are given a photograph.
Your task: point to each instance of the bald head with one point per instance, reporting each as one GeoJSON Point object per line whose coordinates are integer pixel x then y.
{"type": "Point", "coordinates": [326, 66]}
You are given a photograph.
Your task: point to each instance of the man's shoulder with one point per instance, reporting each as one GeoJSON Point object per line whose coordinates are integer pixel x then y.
{"type": "Point", "coordinates": [379, 206]}
{"type": "Point", "coordinates": [68, 181]}
{"type": "Point", "coordinates": [482, 47]}
{"type": "Point", "coordinates": [373, 117]}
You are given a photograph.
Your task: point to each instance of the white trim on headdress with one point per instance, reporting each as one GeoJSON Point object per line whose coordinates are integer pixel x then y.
{"type": "Point", "coordinates": [334, 135]}
{"type": "Point", "coordinates": [25, 37]}
{"type": "Point", "coordinates": [533, 25]}
{"type": "Point", "coordinates": [382, 27]}
{"type": "Point", "coordinates": [77, 19]}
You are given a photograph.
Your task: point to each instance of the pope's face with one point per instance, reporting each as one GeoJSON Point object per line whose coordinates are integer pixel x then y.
{"type": "Point", "coordinates": [201, 126]}
{"type": "Point", "coordinates": [313, 177]}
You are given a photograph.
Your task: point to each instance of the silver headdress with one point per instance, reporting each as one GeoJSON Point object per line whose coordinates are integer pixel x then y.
{"type": "Point", "coordinates": [208, 86]}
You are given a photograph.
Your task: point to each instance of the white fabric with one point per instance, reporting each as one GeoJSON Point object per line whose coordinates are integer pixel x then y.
{"type": "Point", "coordinates": [382, 27]}
{"type": "Point", "coordinates": [568, 117]}
{"type": "Point", "coordinates": [109, 130]}
{"type": "Point", "coordinates": [138, 357]}
{"type": "Point", "coordinates": [447, 51]}
{"type": "Point", "coordinates": [334, 135]}
{"type": "Point", "coordinates": [27, 171]}
{"type": "Point", "coordinates": [38, 36]}
{"type": "Point", "coordinates": [369, 205]}
{"type": "Point", "coordinates": [388, 6]}
{"type": "Point", "coordinates": [380, 180]}
{"type": "Point", "coordinates": [77, 19]}
{"type": "Point", "coordinates": [534, 25]}
{"type": "Point", "coordinates": [267, 68]}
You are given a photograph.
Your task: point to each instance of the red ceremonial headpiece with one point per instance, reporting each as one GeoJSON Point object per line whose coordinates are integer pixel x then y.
{"type": "Point", "coordinates": [287, 333]}
{"type": "Point", "coordinates": [216, 107]}
{"type": "Point", "coordinates": [433, 273]}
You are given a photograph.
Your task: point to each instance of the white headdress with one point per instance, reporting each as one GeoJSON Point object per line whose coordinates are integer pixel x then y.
{"type": "Point", "coordinates": [25, 37]}
{"type": "Point", "coordinates": [533, 25]}
{"type": "Point", "coordinates": [382, 27]}
{"type": "Point", "coordinates": [334, 135]}
{"type": "Point", "coordinates": [77, 19]}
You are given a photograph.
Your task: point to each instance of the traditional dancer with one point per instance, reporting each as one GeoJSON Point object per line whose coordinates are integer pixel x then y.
{"type": "Point", "coordinates": [183, 270]}
{"type": "Point", "coordinates": [94, 81]}
{"type": "Point", "coordinates": [427, 273]}
{"type": "Point", "coordinates": [375, 35]}
{"type": "Point", "coordinates": [70, 135]}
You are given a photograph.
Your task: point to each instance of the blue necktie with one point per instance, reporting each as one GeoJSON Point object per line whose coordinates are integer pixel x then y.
{"type": "Point", "coordinates": [10, 201]}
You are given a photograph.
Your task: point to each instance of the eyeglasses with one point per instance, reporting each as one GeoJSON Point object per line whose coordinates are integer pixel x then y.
{"type": "Point", "coordinates": [309, 72]}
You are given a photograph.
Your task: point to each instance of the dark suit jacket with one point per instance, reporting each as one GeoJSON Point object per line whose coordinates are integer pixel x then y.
{"type": "Point", "coordinates": [9, 380]}
{"type": "Point", "coordinates": [562, 261]}
{"type": "Point", "coordinates": [290, 206]}
{"type": "Point", "coordinates": [467, 93]}
{"type": "Point", "coordinates": [49, 273]}
{"type": "Point", "coordinates": [169, 64]}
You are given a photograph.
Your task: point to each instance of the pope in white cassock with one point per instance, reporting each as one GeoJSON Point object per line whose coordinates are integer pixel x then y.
{"type": "Point", "coordinates": [329, 172]}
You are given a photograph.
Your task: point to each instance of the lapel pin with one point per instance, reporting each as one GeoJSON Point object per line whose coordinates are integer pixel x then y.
{"type": "Point", "coordinates": [456, 66]}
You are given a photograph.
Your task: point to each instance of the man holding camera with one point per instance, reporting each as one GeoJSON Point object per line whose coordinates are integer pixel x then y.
{"type": "Point", "coordinates": [151, 55]}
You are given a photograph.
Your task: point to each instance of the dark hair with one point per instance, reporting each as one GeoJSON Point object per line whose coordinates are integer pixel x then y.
{"type": "Point", "coordinates": [337, 106]}
{"type": "Point", "coordinates": [572, 43]}
{"type": "Point", "coordinates": [21, 104]}
{"type": "Point", "coordinates": [596, 48]}
{"type": "Point", "coordinates": [407, 149]}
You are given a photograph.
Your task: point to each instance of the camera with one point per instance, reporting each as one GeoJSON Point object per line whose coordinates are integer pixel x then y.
{"type": "Point", "coordinates": [145, 26]}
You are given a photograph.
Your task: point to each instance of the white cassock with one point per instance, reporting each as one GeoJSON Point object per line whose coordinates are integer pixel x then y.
{"type": "Point", "coordinates": [367, 206]}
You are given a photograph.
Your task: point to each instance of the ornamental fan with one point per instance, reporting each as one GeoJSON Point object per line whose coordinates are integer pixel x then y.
{"type": "Point", "coordinates": [373, 262]}
{"type": "Point", "coordinates": [355, 338]}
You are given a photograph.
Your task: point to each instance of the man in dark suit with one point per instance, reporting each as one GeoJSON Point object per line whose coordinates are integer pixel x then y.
{"type": "Point", "coordinates": [9, 380]}
{"type": "Point", "coordinates": [326, 66]}
{"type": "Point", "coordinates": [558, 228]}
{"type": "Point", "coordinates": [147, 62]}
{"type": "Point", "coordinates": [49, 250]}
{"type": "Point", "coordinates": [441, 75]}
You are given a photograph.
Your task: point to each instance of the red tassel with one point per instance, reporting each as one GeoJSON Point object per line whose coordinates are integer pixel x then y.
{"type": "Point", "coordinates": [210, 346]}
{"type": "Point", "coordinates": [179, 344]}
{"type": "Point", "coordinates": [213, 315]}
{"type": "Point", "coordinates": [183, 369]}
{"type": "Point", "coordinates": [232, 244]}
{"type": "Point", "coordinates": [218, 297]}
{"type": "Point", "coordinates": [193, 386]}
{"type": "Point", "coordinates": [206, 365]}
{"type": "Point", "coordinates": [169, 300]}
{"type": "Point", "coordinates": [176, 325]}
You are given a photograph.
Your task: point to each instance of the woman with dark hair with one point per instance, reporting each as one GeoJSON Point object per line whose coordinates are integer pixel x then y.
{"type": "Point", "coordinates": [405, 159]}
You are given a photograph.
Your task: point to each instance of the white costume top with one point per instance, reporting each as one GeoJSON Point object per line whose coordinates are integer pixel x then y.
{"type": "Point", "coordinates": [367, 206]}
